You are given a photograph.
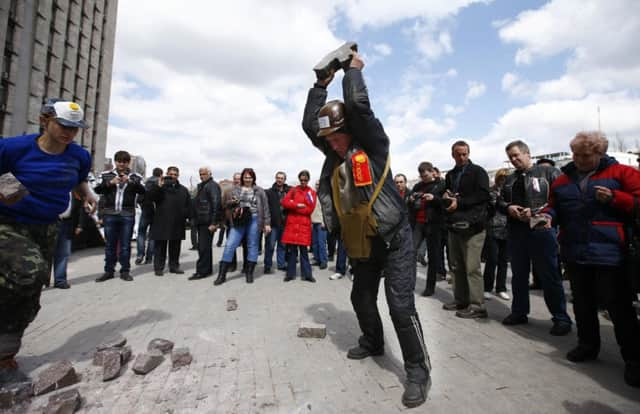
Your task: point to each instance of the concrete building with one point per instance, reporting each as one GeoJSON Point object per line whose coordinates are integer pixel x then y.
{"type": "Point", "coordinates": [57, 48]}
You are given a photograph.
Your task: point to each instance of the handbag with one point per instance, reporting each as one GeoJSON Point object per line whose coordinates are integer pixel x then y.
{"type": "Point", "coordinates": [358, 226]}
{"type": "Point", "coordinates": [241, 216]}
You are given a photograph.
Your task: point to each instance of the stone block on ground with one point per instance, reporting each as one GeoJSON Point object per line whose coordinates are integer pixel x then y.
{"type": "Point", "coordinates": [111, 365]}
{"type": "Point", "coordinates": [232, 305]}
{"type": "Point", "coordinates": [116, 341]}
{"type": "Point", "coordinates": [66, 402]}
{"type": "Point", "coordinates": [147, 362]}
{"type": "Point", "coordinates": [57, 375]}
{"type": "Point", "coordinates": [312, 330]}
{"type": "Point", "coordinates": [13, 394]}
{"type": "Point", "coordinates": [11, 189]}
{"type": "Point", "coordinates": [181, 357]}
{"type": "Point", "coordinates": [124, 352]}
{"type": "Point", "coordinates": [162, 345]}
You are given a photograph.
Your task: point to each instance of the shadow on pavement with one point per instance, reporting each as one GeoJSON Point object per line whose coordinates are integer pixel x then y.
{"type": "Point", "coordinates": [589, 407]}
{"type": "Point", "coordinates": [81, 345]}
{"type": "Point", "coordinates": [343, 330]}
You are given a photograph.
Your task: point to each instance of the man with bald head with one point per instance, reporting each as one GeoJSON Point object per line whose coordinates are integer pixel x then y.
{"type": "Point", "coordinates": [207, 215]}
{"type": "Point", "coordinates": [592, 203]}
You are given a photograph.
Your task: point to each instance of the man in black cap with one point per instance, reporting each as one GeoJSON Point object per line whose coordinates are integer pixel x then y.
{"type": "Point", "coordinates": [360, 200]}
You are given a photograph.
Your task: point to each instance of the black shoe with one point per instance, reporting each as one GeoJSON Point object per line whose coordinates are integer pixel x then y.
{"type": "Point", "coordinates": [218, 244]}
{"type": "Point", "coordinates": [560, 329]}
{"type": "Point", "coordinates": [422, 261]}
{"type": "Point", "coordinates": [472, 312]}
{"type": "Point", "coordinates": [288, 278]}
{"type": "Point", "coordinates": [126, 276]}
{"type": "Point", "coordinates": [197, 276]}
{"type": "Point", "coordinates": [177, 271]}
{"type": "Point", "coordinates": [582, 353]}
{"type": "Point", "coordinates": [632, 374]}
{"type": "Point", "coordinates": [514, 319]}
{"type": "Point", "coordinates": [105, 276]}
{"type": "Point", "coordinates": [159, 273]}
{"type": "Point", "coordinates": [360, 352]}
{"type": "Point", "coordinates": [284, 268]}
{"type": "Point", "coordinates": [310, 279]}
{"type": "Point", "coordinates": [428, 292]}
{"type": "Point", "coordinates": [251, 267]}
{"type": "Point", "coordinates": [267, 270]}
{"type": "Point", "coordinates": [222, 274]}
{"type": "Point", "coordinates": [415, 394]}
{"type": "Point", "coordinates": [139, 260]}
{"type": "Point", "coordinates": [451, 306]}
{"type": "Point", "coordinates": [148, 260]}
{"type": "Point", "coordinates": [315, 263]}
{"type": "Point", "coordinates": [323, 266]}
{"type": "Point", "coordinates": [61, 285]}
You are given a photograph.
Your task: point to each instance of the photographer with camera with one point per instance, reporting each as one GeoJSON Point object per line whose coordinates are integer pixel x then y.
{"type": "Point", "coordinates": [119, 188]}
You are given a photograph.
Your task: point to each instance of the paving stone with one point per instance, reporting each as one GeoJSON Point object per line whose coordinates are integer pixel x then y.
{"type": "Point", "coordinates": [312, 330]}
{"type": "Point", "coordinates": [111, 365]}
{"type": "Point", "coordinates": [58, 375]}
{"type": "Point", "coordinates": [181, 357]}
{"type": "Point", "coordinates": [232, 305]}
{"type": "Point", "coordinates": [14, 394]}
{"type": "Point", "coordinates": [163, 345]}
{"type": "Point", "coordinates": [125, 354]}
{"type": "Point", "coordinates": [66, 402]}
{"type": "Point", "coordinates": [11, 188]}
{"type": "Point", "coordinates": [116, 341]}
{"type": "Point", "coordinates": [147, 362]}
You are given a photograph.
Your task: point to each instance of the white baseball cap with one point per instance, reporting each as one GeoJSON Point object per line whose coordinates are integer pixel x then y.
{"type": "Point", "coordinates": [67, 113]}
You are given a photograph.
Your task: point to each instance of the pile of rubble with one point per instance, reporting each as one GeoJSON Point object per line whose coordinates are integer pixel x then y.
{"type": "Point", "coordinates": [111, 356]}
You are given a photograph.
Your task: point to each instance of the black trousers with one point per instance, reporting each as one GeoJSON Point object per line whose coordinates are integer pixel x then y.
{"type": "Point", "coordinates": [398, 266]}
{"type": "Point", "coordinates": [497, 260]}
{"type": "Point", "coordinates": [204, 265]}
{"type": "Point", "coordinates": [160, 254]}
{"type": "Point", "coordinates": [433, 235]}
{"type": "Point", "coordinates": [609, 287]}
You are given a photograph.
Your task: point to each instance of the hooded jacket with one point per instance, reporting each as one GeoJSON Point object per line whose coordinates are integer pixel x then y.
{"type": "Point", "coordinates": [592, 232]}
{"type": "Point", "coordinates": [298, 228]}
{"type": "Point", "coordinates": [369, 136]}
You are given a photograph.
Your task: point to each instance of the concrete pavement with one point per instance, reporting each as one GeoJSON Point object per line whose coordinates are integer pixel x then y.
{"type": "Point", "coordinates": [250, 360]}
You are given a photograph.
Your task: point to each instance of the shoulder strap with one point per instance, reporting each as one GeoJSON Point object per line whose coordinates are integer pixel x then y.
{"type": "Point", "coordinates": [336, 190]}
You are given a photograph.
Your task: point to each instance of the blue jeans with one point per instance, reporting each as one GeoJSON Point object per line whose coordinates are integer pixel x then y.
{"type": "Point", "coordinates": [141, 240]}
{"type": "Point", "coordinates": [541, 248]}
{"type": "Point", "coordinates": [274, 237]}
{"type": "Point", "coordinates": [319, 243]}
{"type": "Point", "coordinates": [341, 260]}
{"type": "Point", "coordinates": [62, 252]}
{"type": "Point", "coordinates": [117, 230]}
{"type": "Point", "coordinates": [236, 235]}
{"type": "Point", "coordinates": [305, 266]}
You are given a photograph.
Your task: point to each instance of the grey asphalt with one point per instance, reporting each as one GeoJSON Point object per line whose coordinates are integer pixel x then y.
{"type": "Point", "coordinates": [251, 361]}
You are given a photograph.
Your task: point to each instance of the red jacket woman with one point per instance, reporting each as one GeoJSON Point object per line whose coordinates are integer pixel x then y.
{"type": "Point", "coordinates": [299, 204]}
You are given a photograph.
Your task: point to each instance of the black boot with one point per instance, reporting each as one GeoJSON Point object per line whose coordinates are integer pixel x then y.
{"type": "Point", "coordinates": [416, 359]}
{"type": "Point", "coordinates": [222, 274]}
{"type": "Point", "coordinates": [251, 266]}
{"type": "Point", "coordinates": [234, 264]}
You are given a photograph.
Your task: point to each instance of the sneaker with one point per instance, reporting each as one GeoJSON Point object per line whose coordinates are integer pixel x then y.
{"type": "Point", "coordinates": [451, 306]}
{"type": "Point", "coordinates": [336, 276]}
{"type": "Point", "coordinates": [560, 329]}
{"type": "Point", "coordinates": [139, 260]}
{"type": "Point", "coordinates": [360, 352]}
{"type": "Point", "coordinates": [105, 276]}
{"type": "Point", "coordinates": [504, 295]}
{"type": "Point", "coordinates": [487, 295]}
{"type": "Point", "coordinates": [472, 312]}
{"type": "Point", "coordinates": [61, 285]}
{"type": "Point", "coordinates": [514, 319]}
{"type": "Point", "coordinates": [582, 353]}
{"type": "Point", "coordinates": [126, 276]}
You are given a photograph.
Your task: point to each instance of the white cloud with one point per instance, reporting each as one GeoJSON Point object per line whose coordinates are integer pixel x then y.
{"type": "Point", "coordinates": [474, 90]}
{"type": "Point", "coordinates": [383, 49]}
{"type": "Point", "coordinates": [451, 110]}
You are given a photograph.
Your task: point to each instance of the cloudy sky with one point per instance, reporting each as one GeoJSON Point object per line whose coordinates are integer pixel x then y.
{"type": "Point", "coordinates": [224, 83]}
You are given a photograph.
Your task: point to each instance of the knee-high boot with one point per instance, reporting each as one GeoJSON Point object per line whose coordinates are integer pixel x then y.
{"type": "Point", "coordinates": [222, 274]}
{"type": "Point", "coordinates": [251, 266]}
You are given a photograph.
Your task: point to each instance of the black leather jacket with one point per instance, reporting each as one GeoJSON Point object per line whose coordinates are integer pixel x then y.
{"type": "Point", "coordinates": [536, 195]}
{"type": "Point", "coordinates": [208, 203]}
{"type": "Point", "coordinates": [119, 200]}
{"type": "Point", "coordinates": [369, 136]}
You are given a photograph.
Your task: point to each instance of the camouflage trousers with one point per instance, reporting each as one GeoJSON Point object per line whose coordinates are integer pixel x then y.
{"type": "Point", "coordinates": [26, 253]}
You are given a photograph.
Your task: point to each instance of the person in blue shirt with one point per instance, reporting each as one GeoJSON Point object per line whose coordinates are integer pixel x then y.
{"type": "Point", "coordinates": [49, 165]}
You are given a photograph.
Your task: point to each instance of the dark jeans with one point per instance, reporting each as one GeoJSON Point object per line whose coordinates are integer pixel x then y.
{"type": "Point", "coordinates": [319, 243]}
{"type": "Point", "coordinates": [398, 264]}
{"type": "Point", "coordinates": [62, 252]}
{"type": "Point", "coordinates": [194, 233]}
{"type": "Point", "coordinates": [141, 242]}
{"type": "Point", "coordinates": [331, 243]}
{"type": "Point", "coordinates": [497, 258]}
{"type": "Point", "coordinates": [541, 248]}
{"type": "Point", "coordinates": [341, 259]}
{"type": "Point", "coordinates": [433, 236]}
{"type": "Point", "coordinates": [117, 233]}
{"type": "Point", "coordinates": [606, 286]}
{"type": "Point", "coordinates": [305, 266]}
{"type": "Point", "coordinates": [160, 254]}
{"type": "Point", "coordinates": [273, 239]}
{"type": "Point", "coordinates": [204, 265]}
